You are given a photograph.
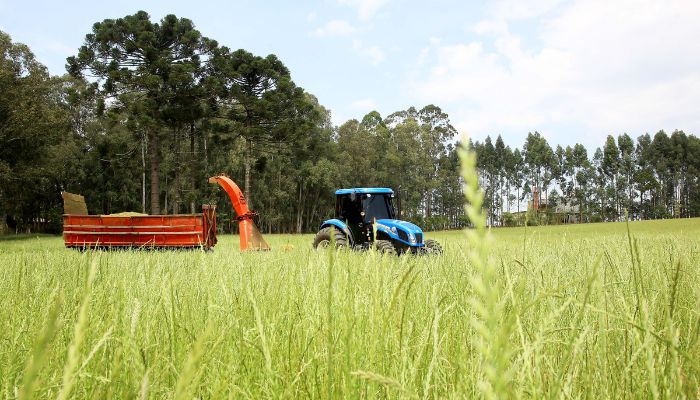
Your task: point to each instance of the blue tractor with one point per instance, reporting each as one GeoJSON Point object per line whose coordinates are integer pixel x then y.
{"type": "Point", "coordinates": [360, 212]}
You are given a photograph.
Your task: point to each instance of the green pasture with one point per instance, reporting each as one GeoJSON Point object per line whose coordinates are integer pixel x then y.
{"type": "Point", "coordinates": [585, 311]}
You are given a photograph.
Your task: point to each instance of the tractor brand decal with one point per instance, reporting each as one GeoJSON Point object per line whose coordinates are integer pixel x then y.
{"type": "Point", "coordinates": [388, 229]}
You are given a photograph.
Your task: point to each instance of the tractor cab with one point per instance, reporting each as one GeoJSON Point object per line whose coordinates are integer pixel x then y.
{"type": "Point", "coordinates": [360, 207]}
{"type": "Point", "coordinates": [365, 217]}
{"type": "Point", "coordinates": [364, 205]}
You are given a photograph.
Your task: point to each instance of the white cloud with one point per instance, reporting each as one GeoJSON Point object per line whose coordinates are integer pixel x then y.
{"type": "Point", "coordinates": [423, 56]}
{"type": "Point", "coordinates": [490, 27]}
{"type": "Point", "coordinates": [603, 67]}
{"type": "Point", "coordinates": [364, 104]}
{"type": "Point", "coordinates": [374, 53]}
{"type": "Point", "coordinates": [55, 46]}
{"type": "Point", "coordinates": [366, 9]}
{"type": "Point", "coordinates": [335, 28]}
{"type": "Point", "coordinates": [519, 9]}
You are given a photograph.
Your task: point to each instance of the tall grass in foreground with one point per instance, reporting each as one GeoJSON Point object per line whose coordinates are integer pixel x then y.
{"type": "Point", "coordinates": [579, 311]}
{"type": "Point", "coordinates": [491, 320]}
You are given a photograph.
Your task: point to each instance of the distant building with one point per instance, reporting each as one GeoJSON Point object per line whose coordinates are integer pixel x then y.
{"type": "Point", "coordinates": [563, 212]}
{"type": "Point", "coordinates": [566, 213]}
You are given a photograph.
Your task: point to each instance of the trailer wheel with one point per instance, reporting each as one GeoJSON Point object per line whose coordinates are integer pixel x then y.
{"type": "Point", "coordinates": [385, 247]}
{"type": "Point", "coordinates": [433, 247]}
{"type": "Point", "coordinates": [323, 238]}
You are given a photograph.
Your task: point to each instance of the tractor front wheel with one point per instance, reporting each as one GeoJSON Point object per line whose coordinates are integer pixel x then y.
{"type": "Point", "coordinates": [323, 238]}
{"type": "Point", "coordinates": [433, 247]}
{"type": "Point", "coordinates": [385, 247]}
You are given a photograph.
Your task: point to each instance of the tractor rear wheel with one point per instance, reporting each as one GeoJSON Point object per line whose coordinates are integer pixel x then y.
{"type": "Point", "coordinates": [433, 247]}
{"type": "Point", "coordinates": [323, 238]}
{"type": "Point", "coordinates": [385, 247]}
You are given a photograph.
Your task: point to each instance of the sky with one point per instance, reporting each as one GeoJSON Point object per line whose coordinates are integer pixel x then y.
{"type": "Point", "coordinates": [575, 71]}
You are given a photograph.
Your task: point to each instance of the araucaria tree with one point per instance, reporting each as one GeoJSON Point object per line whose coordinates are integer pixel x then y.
{"type": "Point", "coordinates": [148, 68]}
{"type": "Point", "coordinates": [260, 101]}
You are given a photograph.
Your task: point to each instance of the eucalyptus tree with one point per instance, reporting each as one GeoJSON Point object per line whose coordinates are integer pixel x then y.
{"type": "Point", "coordinates": [517, 174]}
{"type": "Point", "coordinates": [599, 182]}
{"type": "Point", "coordinates": [501, 158]}
{"type": "Point", "coordinates": [627, 168]}
{"type": "Point", "coordinates": [368, 153]}
{"type": "Point", "coordinates": [487, 165]}
{"type": "Point", "coordinates": [508, 166]}
{"type": "Point", "coordinates": [644, 177]}
{"type": "Point", "coordinates": [680, 165]}
{"type": "Point", "coordinates": [539, 158]}
{"type": "Point", "coordinates": [692, 192]}
{"type": "Point", "coordinates": [417, 142]}
{"type": "Point", "coordinates": [610, 166]}
{"type": "Point", "coordinates": [582, 176]}
{"type": "Point", "coordinates": [435, 132]}
{"type": "Point", "coordinates": [559, 170]}
{"type": "Point", "coordinates": [37, 149]}
{"type": "Point", "coordinates": [402, 161]}
{"type": "Point", "coordinates": [660, 153]}
{"type": "Point", "coordinates": [449, 189]}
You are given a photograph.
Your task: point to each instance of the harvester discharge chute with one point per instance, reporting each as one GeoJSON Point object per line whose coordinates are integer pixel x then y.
{"type": "Point", "coordinates": [251, 238]}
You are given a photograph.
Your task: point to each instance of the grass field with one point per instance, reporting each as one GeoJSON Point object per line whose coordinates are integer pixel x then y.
{"type": "Point", "coordinates": [578, 311]}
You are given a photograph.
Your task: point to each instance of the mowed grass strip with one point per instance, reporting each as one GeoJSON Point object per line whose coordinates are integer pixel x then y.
{"type": "Point", "coordinates": [588, 315]}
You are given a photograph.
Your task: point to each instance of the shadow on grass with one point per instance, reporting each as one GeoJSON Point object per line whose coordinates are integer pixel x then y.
{"type": "Point", "coordinates": [25, 236]}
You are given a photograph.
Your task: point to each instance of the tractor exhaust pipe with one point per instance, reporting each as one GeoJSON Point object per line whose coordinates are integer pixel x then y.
{"type": "Point", "coordinates": [398, 202]}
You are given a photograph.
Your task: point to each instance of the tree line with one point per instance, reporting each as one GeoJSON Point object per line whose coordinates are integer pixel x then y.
{"type": "Point", "coordinates": [148, 110]}
{"type": "Point", "coordinates": [651, 177]}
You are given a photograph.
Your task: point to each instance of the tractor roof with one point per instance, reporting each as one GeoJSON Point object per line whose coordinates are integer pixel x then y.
{"type": "Point", "coordinates": [365, 190]}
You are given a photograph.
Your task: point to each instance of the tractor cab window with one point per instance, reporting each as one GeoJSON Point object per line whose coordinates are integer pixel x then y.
{"type": "Point", "coordinates": [377, 207]}
{"type": "Point", "coordinates": [349, 208]}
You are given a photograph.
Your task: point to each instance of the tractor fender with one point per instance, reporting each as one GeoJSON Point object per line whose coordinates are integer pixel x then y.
{"type": "Point", "coordinates": [338, 224]}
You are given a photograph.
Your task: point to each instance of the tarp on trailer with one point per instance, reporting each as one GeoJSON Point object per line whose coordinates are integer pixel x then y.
{"type": "Point", "coordinates": [74, 204]}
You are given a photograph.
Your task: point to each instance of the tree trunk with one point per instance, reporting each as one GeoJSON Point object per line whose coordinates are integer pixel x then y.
{"type": "Point", "coordinates": [300, 210]}
{"type": "Point", "coordinates": [193, 169]}
{"type": "Point", "coordinates": [206, 154]}
{"type": "Point", "coordinates": [177, 198]}
{"type": "Point", "coordinates": [506, 204]}
{"type": "Point", "coordinates": [153, 147]}
{"type": "Point", "coordinates": [165, 203]}
{"type": "Point", "coordinates": [314, 208]}
{"type": "Point", "coordinates": [429, 204]}
{"type": "Point", "coordinates": [247, 161]}
{"type": "Point", "coordinates": [143, 173]}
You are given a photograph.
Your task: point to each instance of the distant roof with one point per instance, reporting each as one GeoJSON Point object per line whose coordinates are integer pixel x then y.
{"type": "Point", "coordinates": [565, 208]}
{"type": "Point", "coordinates": [365, 190]}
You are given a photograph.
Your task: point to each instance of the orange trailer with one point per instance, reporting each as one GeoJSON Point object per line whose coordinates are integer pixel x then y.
{"type": "Point", "coordinates": [181, 231]}
{"type": "Point", "coordinates": [148, 231]}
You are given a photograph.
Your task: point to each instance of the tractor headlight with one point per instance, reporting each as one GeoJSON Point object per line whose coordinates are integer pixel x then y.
{"type": "Point", "coordinates": [412, 238]}
{"type": "Point", "coordinates": [393, 229]}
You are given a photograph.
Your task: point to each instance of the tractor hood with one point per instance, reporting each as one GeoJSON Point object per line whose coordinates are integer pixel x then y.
{"type": "Point", "coordinates": [403, 230]}
{"type": "Point", "coordinates": [398, 224]}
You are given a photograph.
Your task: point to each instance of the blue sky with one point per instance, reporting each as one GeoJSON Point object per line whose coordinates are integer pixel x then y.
{"type": "Point", "coordinates": [574, 70]}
